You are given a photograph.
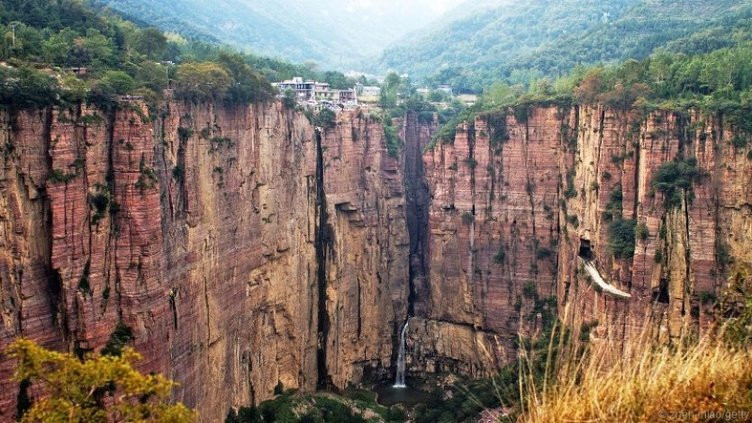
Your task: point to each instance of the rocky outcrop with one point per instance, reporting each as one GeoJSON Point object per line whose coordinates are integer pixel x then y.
{"type": "Point", "coordinates": [521, 194]}
{"type": "Point", "coordinates": [204, 231]}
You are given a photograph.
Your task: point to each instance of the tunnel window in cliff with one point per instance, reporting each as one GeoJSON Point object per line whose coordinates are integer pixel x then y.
{"type": "Point", "coordinates": [661, 293]}
{"type": "Point", "coordinates": [586, 249]}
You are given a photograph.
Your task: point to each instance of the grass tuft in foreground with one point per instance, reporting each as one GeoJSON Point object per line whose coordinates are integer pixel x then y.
{"type": "Point", "coordinates": [707, 381]}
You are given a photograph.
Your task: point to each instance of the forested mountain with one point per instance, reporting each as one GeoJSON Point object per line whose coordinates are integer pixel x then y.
{"type": "Point", "coordinates": [334, 33]}
{"type": "Point", "coordinates": [519, 42]}
{"type": "Point", "coordinates": [63, 52]}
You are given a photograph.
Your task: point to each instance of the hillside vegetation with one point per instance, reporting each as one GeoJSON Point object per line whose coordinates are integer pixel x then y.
{"type": "Point", "coordinates": [718, 82]}
{"type": "Point", "coordinates": [63, 52]}
{"type": "Point", "coordinates": [519, 42]}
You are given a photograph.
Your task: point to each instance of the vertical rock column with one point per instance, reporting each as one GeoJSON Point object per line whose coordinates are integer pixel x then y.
{"type": "Point", "coordinates": [367, 254]}
{"type": "Point", "coordinates": [239, 228]}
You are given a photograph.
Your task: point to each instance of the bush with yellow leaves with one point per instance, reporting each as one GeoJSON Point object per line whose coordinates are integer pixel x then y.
{"type": "Point", "coordinates": [101, 388]}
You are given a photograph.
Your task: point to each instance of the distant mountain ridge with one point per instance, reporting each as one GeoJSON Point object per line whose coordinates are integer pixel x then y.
{"type": "Point", "coordinates": [333, 33]}
{"type": "Point", "coordinates": [520, 41]}
{"type": "Point", "coordinates": [243, 25]}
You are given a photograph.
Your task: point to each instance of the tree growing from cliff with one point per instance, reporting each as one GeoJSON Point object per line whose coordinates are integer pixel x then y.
{"type": "Point", "coordinates": [675, 178]}
{"type": "Point", "coordinates": [99, 389]}
{"type": "Point", "coordinates": [325, 119]}
{"type": "Point", "coordinates": [621, 238]}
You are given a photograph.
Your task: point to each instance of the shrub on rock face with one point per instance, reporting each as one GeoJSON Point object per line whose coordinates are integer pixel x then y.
{"type": "Point", "coordinates": [500, 255]}
{"type": "Point", "coordinates": [571, 191]}
{"type": "Point", "coordinates": [621, 238]}
{"type": "Point", "coordinates": [325, 119]}
{"type": "Point", "coordinates": [119, 338]}
{"type": "Point", "coordinates": [642, 232]}
{"type": "Point", "coordinates": [614, 206]}
{"type": "Point", "coordinates": [739, 141]}
{"type": "Point", "coordinates": [674, 178]}
{"type": "Point", "coordinates": [289, 99]}
{"type": "Point", "coordinates": [542, 253]}
{"type": "Point", "coordinates": [393, 141]}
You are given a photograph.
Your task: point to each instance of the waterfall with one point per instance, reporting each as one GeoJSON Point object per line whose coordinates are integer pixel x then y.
{"type": "Point", "coordinates": [399, 379]}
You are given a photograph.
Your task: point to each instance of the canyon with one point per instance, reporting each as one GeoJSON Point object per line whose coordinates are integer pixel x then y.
{"type": "Point", "coordinates": [244, 248]}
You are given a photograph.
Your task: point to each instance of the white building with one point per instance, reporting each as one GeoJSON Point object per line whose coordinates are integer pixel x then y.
{"type": "Point", "coordinates": [304, 90]}
{"type": "Point", "coordinates": [315, 92]}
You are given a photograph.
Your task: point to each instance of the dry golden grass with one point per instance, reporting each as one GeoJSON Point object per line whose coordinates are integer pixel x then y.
{"type": "Point", "coordinates": [705, 381]}
{"type": "Point", "coordinates": [709, 380]}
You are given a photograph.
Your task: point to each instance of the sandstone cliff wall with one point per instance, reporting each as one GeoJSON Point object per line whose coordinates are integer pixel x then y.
{"type": "Point", "coordinates": [520, 195]}
{"type": "Point", "coordinates": [204, 231]}
{"type": "Point", "coordinates": [492, 215]}
{"type": "Point", "coordinates": [679, 265]}
{"type": "Point", "coordinates": [244, 248]}
{"type": "Point", "coordinates": [367, 252]}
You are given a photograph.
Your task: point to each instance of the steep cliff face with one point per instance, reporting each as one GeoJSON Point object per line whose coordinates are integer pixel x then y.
{"type": "Point", "coordinates": [244, 248]}
{"type": "Point", "coordinates": [520, 196]}
{"type": "Point", "coordinates": [493, 231]}
{"type": "Point", "coordinates": [204, 233]}
{"type": "Point", "coordinates": [685, 242]}
{"type": "Point", "coordinates": [238, 190]}
{"type": "Point", "coordinates": [366, 278]}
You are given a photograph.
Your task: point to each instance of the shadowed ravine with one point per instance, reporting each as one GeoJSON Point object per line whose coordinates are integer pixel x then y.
{"type": "Point", "coordinates": [417, 199]}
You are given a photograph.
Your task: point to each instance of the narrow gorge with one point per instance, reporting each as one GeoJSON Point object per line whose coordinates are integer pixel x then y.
{"type": "Point", "coordinates": [240, 248]}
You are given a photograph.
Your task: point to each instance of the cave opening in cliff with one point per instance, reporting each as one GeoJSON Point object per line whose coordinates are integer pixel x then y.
{"type": "Point", "coordinates": [586, 249]}
{"type": "Point", "coordinates": [23, 398]}
{"type": "Point", "coordinates": [661, 293]}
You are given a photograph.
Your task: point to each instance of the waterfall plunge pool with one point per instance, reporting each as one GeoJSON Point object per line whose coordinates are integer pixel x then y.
{"type": "Point", "coordinates": [388, 395]}
{"type": "Point", "coordinates": [400, 392]}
